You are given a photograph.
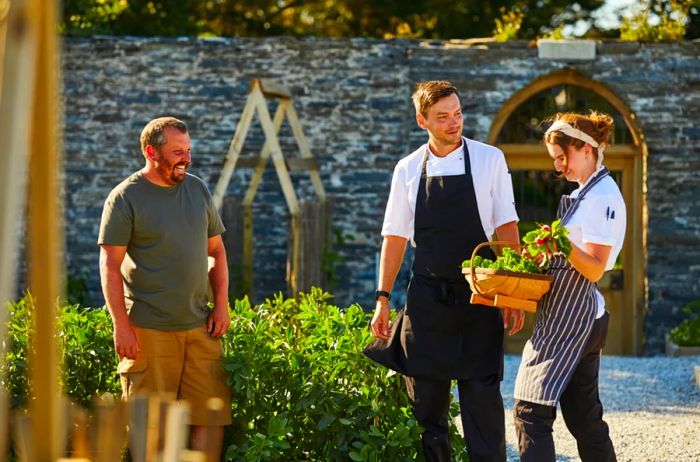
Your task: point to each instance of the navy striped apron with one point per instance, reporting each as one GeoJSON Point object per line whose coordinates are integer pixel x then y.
{"type": "Point", "coordinates": [565, 317]}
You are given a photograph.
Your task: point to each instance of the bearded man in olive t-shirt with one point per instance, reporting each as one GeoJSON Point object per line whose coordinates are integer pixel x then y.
{"type": "Point", "coordinates": [158, 228]}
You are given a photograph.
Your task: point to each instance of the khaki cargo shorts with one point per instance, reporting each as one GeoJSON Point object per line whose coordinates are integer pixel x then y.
{"type": "Point", "coordinates": [182, 363]}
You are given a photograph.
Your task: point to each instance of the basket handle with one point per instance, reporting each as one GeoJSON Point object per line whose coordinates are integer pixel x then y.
{"type": "Point", "coordinates": [476, 249]}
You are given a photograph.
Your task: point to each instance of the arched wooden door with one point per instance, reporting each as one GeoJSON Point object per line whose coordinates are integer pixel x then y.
{"type": "Point", "coordinates": [518, 129]}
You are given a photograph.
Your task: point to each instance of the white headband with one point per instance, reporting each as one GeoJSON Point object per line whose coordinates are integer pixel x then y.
{"type": "Point", "coordinates": [565, 128]}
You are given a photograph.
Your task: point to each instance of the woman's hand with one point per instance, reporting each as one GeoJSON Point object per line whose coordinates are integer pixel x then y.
{"type": "Point", "coordinates": [518, 320]}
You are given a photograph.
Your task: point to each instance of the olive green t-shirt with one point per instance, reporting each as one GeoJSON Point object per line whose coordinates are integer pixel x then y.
{"type": "Point", "coordinates": [165, 231]}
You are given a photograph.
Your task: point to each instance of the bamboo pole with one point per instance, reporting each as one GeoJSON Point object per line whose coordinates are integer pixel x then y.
{"type": "Point", "coordinates": [276, 153]}
{"type": "Point", "coordinates": [305, 151]}
{"type": "Point", "coordinates": [264, 155]}
{"type": "Point", "coordinates": [45, 236]}
{"type": "Point", "coordinates": [14, 133]}
{"type": "Point", "coordinates": [17, 45]}
{"type": "Point", "coordinates": [234, 150]}
{"type": "Point", "coordinates": [4, 11]}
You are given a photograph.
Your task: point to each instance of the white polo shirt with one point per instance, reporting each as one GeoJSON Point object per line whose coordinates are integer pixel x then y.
{"type": "Point", "coordinates": [492, 184]}
{"type": "Point", "coordinates": [601, 218]}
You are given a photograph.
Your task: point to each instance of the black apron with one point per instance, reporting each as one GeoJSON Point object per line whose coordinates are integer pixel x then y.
{"type": "Point", "coordinates": [439, 334]}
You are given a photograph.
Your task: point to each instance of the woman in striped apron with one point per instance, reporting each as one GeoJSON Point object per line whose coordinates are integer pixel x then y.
{"type": "Point", "coordinates": [561, 360]}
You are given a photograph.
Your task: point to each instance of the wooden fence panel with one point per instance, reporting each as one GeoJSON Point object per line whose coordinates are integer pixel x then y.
{"type": "Point", "coordinates": [240, 280]}
{"type": "Point", "coordinates": [314, 238]}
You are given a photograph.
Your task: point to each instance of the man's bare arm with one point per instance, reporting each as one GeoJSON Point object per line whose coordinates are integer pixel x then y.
{"type": "Point", "coordinates": [111, 257]}
{"type": "Point", "coordinates": [508, 232]}
{"type": "Point", "coordinates": [219, 319]}
{"type": "Point", "coordinates": [393, 250]}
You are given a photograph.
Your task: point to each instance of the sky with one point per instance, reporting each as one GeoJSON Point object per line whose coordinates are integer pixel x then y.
{"type": "Point", "coordinates": [606, 17]}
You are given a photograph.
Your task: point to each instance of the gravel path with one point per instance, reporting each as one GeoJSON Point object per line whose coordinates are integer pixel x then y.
{"type": "Point", "coordinates": [651, 405]}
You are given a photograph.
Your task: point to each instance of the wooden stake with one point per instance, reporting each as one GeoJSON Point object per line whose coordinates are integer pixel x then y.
{"type": "Point", "coordinates": [44, 230]}
{"type": "Point", "coordinates": [153, 431]}
{"type": "Point", "coordinates": [138, 427]}
{"type": "Point", "coordinates": [4, 421]}
{"type": "Point", "coordinates": [293, 259]}
{"type": "Point", "coordinates": [214, 407]}
{"type": "Point", "coordinates": [21, 437]}
{"type": "Point", "coordinates": [247, 269]}
{"type": "Point", "coordinates": [176, 430]}
{"type": "Point", "coordinates": [187, 455]}
{"type": "Point", "coordinates": [79, 440]}
{"type": "Point", "coordinates": [111, 429]}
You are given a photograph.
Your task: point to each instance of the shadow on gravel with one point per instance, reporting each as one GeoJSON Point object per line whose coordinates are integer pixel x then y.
{"type": "Point", "coordinates": [513, 456]}
{"type": "Point", "coordinates": [656, 384]}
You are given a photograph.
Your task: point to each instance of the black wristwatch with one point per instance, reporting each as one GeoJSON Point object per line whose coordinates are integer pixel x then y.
{"type": "Point", "coordinates": [382, 293]}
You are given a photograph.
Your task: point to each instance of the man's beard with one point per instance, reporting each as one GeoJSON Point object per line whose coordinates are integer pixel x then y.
{"type": "Point", "coordinates": [169, 174]}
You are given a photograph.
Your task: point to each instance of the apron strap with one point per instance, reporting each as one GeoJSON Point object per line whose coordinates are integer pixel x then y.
{"type": "Point", "coordinates": [596, 179]}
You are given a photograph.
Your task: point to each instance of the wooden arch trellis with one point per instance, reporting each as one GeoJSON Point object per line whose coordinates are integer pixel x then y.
{"type": "Point", "coordinates": [301, 272]}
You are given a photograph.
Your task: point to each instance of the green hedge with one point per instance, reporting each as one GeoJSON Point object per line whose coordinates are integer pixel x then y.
{"type": "Point", "coordinates": [687, 333]}
{"type": "Point", "coordinates": [301, 388]}
{"type": "Point", "coordinates": [88, 361]}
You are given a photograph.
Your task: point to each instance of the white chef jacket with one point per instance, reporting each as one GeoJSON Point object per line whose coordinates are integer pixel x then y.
{"type": "Point", "coordinates": [601, 218]}
{"type": "Point", "coordinates": [492, 184]}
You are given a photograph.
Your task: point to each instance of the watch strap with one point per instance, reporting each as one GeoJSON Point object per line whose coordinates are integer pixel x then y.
{"type": "Point", "coordinates": [382, 293]}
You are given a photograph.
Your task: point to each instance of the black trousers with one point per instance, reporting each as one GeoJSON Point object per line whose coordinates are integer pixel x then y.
{"type": "Point", "coordinates": [481, 406]}
{"type": "Point", "coordinates": [580, 406]}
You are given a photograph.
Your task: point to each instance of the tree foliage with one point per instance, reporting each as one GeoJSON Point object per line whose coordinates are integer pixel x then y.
{"type": "Point", "coordinates": [671, 20]}
{"type": "Point", "coordinates": [131, 17]}
{"type": "Point", "coordinates": [436, 19]}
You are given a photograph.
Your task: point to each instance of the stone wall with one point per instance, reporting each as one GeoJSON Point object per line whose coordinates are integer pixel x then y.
{"type": "Point", "coordinates": [353, 96]}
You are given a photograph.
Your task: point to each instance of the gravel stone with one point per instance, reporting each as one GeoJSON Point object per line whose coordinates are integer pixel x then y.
{"type": "Point", "coordinates": [651, 404]}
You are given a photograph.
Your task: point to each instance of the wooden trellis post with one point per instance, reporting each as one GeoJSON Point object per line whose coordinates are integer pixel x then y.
{"type": "Point", "coordinates": [260, 89]}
